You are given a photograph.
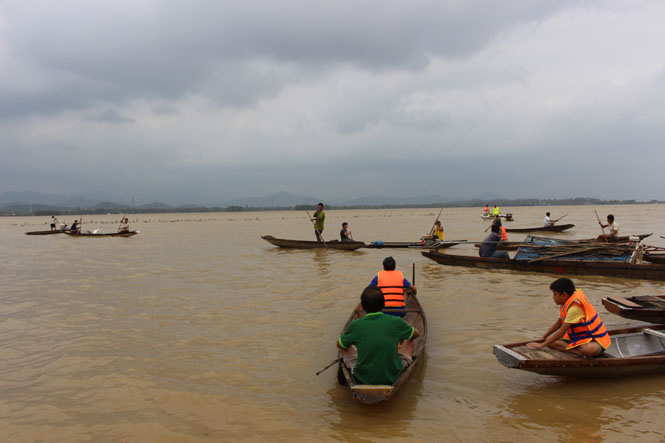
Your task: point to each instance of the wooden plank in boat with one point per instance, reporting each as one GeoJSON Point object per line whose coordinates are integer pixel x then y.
{"type": "Point", "coordinates": [625, 302]}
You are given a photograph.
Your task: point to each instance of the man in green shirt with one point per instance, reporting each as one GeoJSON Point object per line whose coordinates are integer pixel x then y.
{"type": "Point", "coordinates": [319, 218]}
{"type": "Point", "coordinates": [376, 337]}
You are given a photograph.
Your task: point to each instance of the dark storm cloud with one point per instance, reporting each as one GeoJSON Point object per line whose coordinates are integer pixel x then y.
{"type": "Point", "coordinates": [72, 55]}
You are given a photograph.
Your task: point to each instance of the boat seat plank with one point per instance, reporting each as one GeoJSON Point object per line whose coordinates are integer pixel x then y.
{"type": "Point", "coordinates": [624, 302]}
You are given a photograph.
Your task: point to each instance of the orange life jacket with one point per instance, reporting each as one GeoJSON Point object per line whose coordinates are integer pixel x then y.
{"type": "Point", "coordinates": [504, 236]}
{"type": "Point", "coordinates": [392, 286]}
{"type": "Point", "coordinates": [591, 329]}
{"type": "Point", "coordinates": [486, 210]}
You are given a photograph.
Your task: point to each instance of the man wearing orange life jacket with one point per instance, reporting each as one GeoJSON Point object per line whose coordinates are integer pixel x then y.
{"type": "Point", "coordinates": [393, 284]}
{"type": "Point", "coordinates": [578, 330]}
{"type": "Point", "coordinates": [502, 230]}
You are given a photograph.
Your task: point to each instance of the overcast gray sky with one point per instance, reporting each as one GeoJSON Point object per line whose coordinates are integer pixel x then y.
{"type": "Point", "coordinates": [204, 101]}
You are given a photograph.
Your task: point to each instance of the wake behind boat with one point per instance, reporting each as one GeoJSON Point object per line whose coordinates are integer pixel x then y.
{"type": "Point", "coordinates": [371, 394]}
{"type": "Point", "coordinates": [633, 351]}
{"type": "Point", "coordinates": [306, 244]}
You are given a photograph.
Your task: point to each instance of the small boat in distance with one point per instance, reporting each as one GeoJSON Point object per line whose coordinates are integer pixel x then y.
{"type": "Point", "coordinates": [633, 351]}
{"type": "Point", "coordinates": [649, 308]}
{"type": "Point", "coordinates": [99, 235]}
{"type": "Point", "coordinates": [371, 394]}
{"type": "Point", "coordinates": [306, 244]}
{"type": "Point", "coordinates": [553, 228]}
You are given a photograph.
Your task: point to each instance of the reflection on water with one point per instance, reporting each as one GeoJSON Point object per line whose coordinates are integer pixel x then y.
{"type": "Point", "coordinates": [199, 330]}
{"type": "Point", "coordinates": [353, 416]}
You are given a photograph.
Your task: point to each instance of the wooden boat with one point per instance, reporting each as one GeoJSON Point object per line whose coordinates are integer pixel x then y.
{"type": "Point", "coordinates": [417, 245]}
{"type": "Point", "coordinates": [305, 244]}
{"type": "Point", "coordinates": [49, 232]}
{"type": "Point", "coordinates": [371, 394]}
{"type": "Point", "coordinates": [99, 235]}
{"type": "Point", "coordinates": [507, 217]}
{"type": "Point", "coordinates": [649, 308]}
{"type": "Point", "coordinates": [555, 266]}
{"type": "Point", "coordinates": [634, 351]}
{"type": "Point", "coordinates": [553, 228]}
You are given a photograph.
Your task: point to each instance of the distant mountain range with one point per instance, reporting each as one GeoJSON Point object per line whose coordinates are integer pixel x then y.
{"type": "Point", "coordinates": [31, 202]}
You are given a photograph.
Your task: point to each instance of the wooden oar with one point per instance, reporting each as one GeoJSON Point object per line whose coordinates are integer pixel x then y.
{"type": "Point", "coordinates": [559, 219]}
{"type": "Point", "coordinates": [331, 363]}
{"type": "Point", "coordinates": [601, 225]}
{"type": "Point", "coordinates": [317, 231]}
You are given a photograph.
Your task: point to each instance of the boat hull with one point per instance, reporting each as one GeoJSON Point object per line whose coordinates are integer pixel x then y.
{"type": "Point", "coordinates": [649, 308]}
{"type": "Point", "coordinates": [555, 228]}
{"type": "Point", "coordinates": [634, 351]}
{"type": "Point", "coordinates": [558, 267]}
{"type": "Point", "coordinates": [112, 234]}
{"type": "Point", "coordinates": [45, 232]}
{"type": "Point", "coordinates": [372, 394]}
{"type": "Point", "coordinates": [415, 245]}
{"type": "Point", "coordinates": [305, 244]}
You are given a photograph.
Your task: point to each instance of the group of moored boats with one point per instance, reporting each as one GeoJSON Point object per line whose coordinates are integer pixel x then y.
{"type": "Point", "coordinates": [633, 351]}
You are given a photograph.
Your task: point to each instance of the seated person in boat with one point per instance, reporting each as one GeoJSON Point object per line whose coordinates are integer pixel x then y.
{"type": "Point", "coordinates": [488, 247]}
{"type": "Point", "coordinates": [393, 285]}
{"type": "Point", "coordinates": [438, 230]}
{"type": "Point", "coordinates": [502, 230]}
{"type": "Point", "coordinates": [578, 330]}
{"type": "Point", "coordinates": [345, 234]}
{"type": "Point", "coordinates": [75, 228]}
{"type": "Point", "coordinates": [613, 228]}
{"type": "Point", "coordinates": [379, 358]}
{"type": "Point", "coordinates": [486, 211]}
{"type": "Point", "coordinates": [124, 225]}
{"type": "Point", "coordinates": [546, 221]}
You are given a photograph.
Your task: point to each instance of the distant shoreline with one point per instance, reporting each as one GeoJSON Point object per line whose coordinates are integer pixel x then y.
{"type": "Point", "coordinates": [44, 210]}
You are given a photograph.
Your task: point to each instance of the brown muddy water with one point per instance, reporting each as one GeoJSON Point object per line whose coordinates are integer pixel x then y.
{"type": "Point", "coordinates": [196, 330]}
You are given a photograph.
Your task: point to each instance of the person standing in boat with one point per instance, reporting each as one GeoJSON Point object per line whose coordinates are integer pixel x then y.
{"type": "Point", "coordinates": [393, 285]}
{"type": "Point", "coordinates": [54, 220]}
{"type": "Point", "coordinates": [345, 234]}
{"type": "Point", "coordinates": [319, 218]}
{"type": "Point", "coordinates": [488, 247]}
{"type": "Point", "coordinates": [379, 358]}
{"type": "Point", "coordinates": [578, 330]}
{"type": "Point", "coordinates": [486, 211]}
{"type": "Point", "coordinates": [613, 228]}
{"type": "Point", "coordinates": [546, 221]}
{"type": "Point", "coordinates": [495, 211]}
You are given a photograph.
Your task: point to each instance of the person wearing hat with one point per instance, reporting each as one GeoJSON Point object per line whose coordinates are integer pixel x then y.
{"type": "Point", "coordinates": [393, 285]}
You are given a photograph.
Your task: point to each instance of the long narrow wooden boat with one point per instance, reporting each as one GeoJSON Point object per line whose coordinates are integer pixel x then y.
{"type": "Point", "coordinates": [305, 244]}
{"type": "Point", "coordinates": [553, 228]}
{"type": "Point", "coordinates": [48, 232]}
{"type": "Point", "coordinates": [649, 308]}
{"type": "Point", "coordinates": [555, 266]}
{"type": "Point", "coordinates": [416, 245]}
{"type": "Point", "coordinates": [371, 394]}
{"type": "Point", "coordinates": [100, 235]}
{"type": "Point", "coordinates": [634, 351]}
